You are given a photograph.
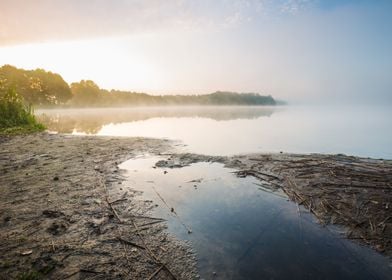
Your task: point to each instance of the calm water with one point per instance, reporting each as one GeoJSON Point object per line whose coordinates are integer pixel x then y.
{"type": "Point", "coordinates": [240, 231]}
{"type": "Point", "coordinates": [361, 131]}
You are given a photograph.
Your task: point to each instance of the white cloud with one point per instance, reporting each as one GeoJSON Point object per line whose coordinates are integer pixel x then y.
{"type": "Point", "coordinates": [24, 21]}
{"type": "Point", "coordinates": [295, 6]}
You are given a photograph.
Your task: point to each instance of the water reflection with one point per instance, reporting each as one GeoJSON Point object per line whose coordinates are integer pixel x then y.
{"type": "Point", "coordinates": [242, 232]}
{"type": "Point", "coordinates": [359, 131]}
{"type": "Point", "coordinates": [91, 121]}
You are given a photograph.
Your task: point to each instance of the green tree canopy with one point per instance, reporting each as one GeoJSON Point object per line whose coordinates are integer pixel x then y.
{"type": "Point", "coordinates": [86, 92]}
{"type": "Point", "coordinates": [38, 87]}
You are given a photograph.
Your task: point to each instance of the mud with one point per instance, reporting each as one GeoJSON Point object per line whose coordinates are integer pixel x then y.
{"type": "Point", "coordinates": [64, 214]}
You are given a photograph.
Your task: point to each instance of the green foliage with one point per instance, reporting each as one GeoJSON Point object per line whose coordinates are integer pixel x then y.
{"type": "Point", "coordinates": [86, 92]}
{"type": "Point", "coordinates": [15, 115]}
{"type": "Point", "coordinates": [31, 275]}
{"type": "Point", "coordinates": [37, 87]}
{"type": "Point", "coordinates": [43, 88]}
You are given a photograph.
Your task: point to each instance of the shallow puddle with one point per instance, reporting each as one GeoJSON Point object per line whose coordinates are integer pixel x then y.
{"type": "Point", "coordinates": [240, 230]}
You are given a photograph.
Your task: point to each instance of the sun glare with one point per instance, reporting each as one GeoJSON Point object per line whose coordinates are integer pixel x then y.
{"type": "Point", "coordinates": [110, 63]}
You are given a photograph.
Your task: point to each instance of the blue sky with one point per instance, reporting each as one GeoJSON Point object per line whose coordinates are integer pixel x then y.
{"type": "Point", "coordinates": [298, 50]}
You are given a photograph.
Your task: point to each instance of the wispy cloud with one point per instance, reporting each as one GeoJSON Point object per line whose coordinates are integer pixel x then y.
{"type": "Point", "coordinates": [45, 20]}
{"type": "Point", "coordinates": [295, 6]}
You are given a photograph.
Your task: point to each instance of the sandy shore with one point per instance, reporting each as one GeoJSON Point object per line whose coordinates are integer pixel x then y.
{"type": "Point", "coordinates": [64, 214]}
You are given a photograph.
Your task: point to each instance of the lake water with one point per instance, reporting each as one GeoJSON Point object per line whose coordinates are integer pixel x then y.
{"type": "Point", "coordinates": [239, 229]}
{"type": "Point", "coordinates": [360, 131]}
{"type": "Point", "coordinates": [242, 231]}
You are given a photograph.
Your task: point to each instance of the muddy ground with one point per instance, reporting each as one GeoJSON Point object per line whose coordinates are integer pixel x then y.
{"type": "Point", "coordinates": [64, 215]}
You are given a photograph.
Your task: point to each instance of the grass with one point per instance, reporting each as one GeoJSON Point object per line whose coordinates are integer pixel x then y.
{"type": "Point", "coordinates": [30, 275]}
{"type": "Point", "coordinates": [15, 116]}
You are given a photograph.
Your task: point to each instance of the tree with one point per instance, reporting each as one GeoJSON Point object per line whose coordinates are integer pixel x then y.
{"type": "Point", "coordinates": [12, 77]}
{"type": "Point", "coordinates": [52, 89]}
{"type": "Point", "coordinates": [85, 93]}
{"type": "Point", "coordinates": [37, 87]}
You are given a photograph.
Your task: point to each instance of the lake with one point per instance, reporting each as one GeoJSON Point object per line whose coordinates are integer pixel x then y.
{"type": "Point", "coordinates": [360, 131]}
{"type": "Point", "coordinates": [240, 229]}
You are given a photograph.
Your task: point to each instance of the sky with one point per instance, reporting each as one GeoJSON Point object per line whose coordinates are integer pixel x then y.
{"type": "Point", "coordinates": [295, 50]}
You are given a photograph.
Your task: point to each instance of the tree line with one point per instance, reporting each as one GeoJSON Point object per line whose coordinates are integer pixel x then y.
{"type": "Point", "coordinates": [44, 88]}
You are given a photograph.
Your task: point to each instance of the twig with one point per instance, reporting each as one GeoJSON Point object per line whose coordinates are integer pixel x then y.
{"type": "Point", "coordinates": [152, 223]}
{"type": "Point", "coordinates": [53, 246]}
{"type": "Point", "coordinates": [155, 272]}
{"type": "Point", "coordinates": [254, 172]}
{"type": "Point", "coordinates": [126, 254]}
{"type": "Point", "coordinates": [299, 220]}
{"type": "Point", "coordinates": [113, 210]}
{"type": "Point", "coordinates": [118, 200]}
{"type": "Point", "coordinates": [72, 274]}
{"type": "Point", "coordinates": [152, 255]}
{"type": "Point", "coordinates": [130, 243]}
{"type": "Point", "coordinates": [172, 210]}
{"type": "Point", "coordinates": [90, 271]}
{"type": "Point", "coordinates": [146, 217]}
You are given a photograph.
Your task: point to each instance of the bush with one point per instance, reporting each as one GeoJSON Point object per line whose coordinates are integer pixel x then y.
{"type": "Point", "coordinates": [15, 115]}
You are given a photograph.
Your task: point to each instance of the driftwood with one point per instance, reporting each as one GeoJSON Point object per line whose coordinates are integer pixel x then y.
{"type": "Point", "coordinates": [130, 243]}
{"type": "Point", "coordinates": [145, 246]}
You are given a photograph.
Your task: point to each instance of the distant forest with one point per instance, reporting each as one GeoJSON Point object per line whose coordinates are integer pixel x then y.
{"type": "Point", "coordinates": [46, 89]}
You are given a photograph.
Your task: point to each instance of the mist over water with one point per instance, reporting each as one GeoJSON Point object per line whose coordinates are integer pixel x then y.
{"type": "Point", "coordinates": [353, 130]}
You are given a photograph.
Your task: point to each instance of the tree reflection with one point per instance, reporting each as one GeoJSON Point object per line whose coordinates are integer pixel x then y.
{"type": "Point", "coordinates": [91, 121]}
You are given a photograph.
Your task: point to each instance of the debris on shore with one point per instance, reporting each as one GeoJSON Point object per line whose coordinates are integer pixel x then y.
{"type": "Point", "coordinates": [64, 215]}
{"type": "Point", "coordinates": [352, 192]}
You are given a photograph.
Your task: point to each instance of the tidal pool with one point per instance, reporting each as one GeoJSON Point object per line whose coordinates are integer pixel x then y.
{"type": "Point", "coordinates": [242, 230]}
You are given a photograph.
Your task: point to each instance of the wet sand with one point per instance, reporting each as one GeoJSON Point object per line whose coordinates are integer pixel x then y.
{"type": "Point", "coordinates": [65, 215]}
{"type": "Point", "coordinates": [62, 215]}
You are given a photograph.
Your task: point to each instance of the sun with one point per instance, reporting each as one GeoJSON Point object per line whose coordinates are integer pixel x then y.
{"type": "Point", "coordinates": [111, 63]}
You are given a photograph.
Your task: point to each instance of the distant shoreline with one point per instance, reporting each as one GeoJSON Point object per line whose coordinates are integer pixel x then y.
{"type": "Point", "coordinates": [131, 106]}
{"type": "Point", "coordinates": [42, 88]}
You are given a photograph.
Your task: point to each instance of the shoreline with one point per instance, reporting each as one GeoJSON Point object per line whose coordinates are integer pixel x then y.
{"type": "Point", "coordinates": [351, 192]}
{"type": "Point", "coordinates": [63, 216]}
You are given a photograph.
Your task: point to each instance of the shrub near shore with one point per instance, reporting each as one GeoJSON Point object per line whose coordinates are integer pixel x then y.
{"type": "Point", "coordinates": [16, 116]}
